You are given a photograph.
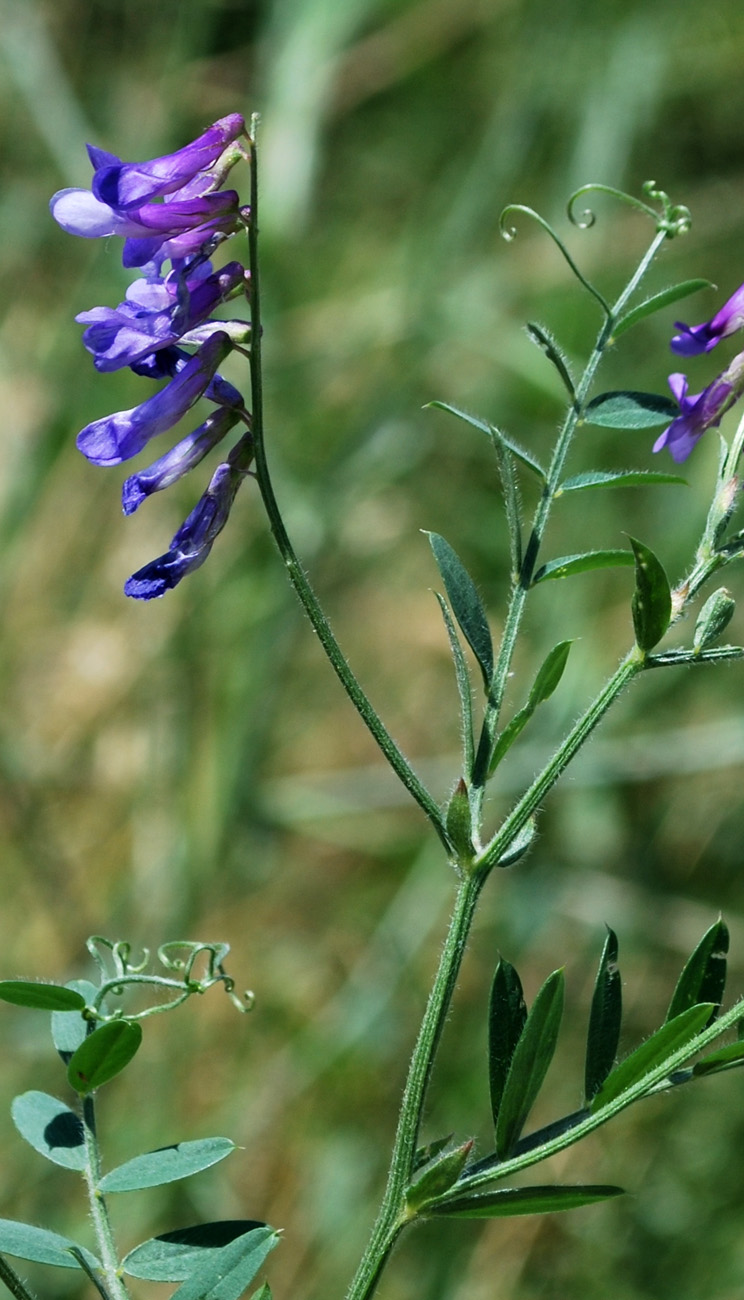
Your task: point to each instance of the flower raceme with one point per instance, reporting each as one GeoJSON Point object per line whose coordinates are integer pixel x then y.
{"type": "Point", "coordinates": [704, 410]}
{"type": "Point", "coordinates": [172, 213]}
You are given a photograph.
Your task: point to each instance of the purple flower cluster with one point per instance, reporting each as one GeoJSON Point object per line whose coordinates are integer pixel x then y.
{"type": "Point", "coordinates": [172, 213]}
{"type": "Point", "coordinates": [704, 410]}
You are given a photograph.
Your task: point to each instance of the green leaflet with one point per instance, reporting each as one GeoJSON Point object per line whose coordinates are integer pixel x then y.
{"type": "Point", "coordinates": [532, 1056]}
{"type": "Point", "coordinates": [547, 344]}
{"type": "Point", "coordinates": [604, 1019]}
{"type": "Point", "coordinates": [174, 1256]}
{"type": "Point", "coordinates": [103, 1054]}
{"type": "Point", "coordinates": [69, 1028]}
{"type": "Point", "coordinates": [548, 676]}
{"type": "Point", "coordinates": [566, 565]}
{"type": "Point", "coordinates": [524, 1200]}
{"type": "Point", "coordinates": [630, 410]}
{"type": "Point", "coordinates": [652, 598]}
{"type": "Point", "coordinates": [24, 1241]}
{"type": "Point", "coordinates": [466, 604]}
{"type": "Point", "coordinates": [673, 1035]}
{"type": "Point", "coordinates": [51, 1128]}
{"type": "Point", "coordinates": [658, 301]}
{"type": "Point", "coordinates": [507, 1014]}
{"type": "Point", "coordinates": [703, 977]}
{"type": "Point", "coordinates": [726, 1058]}
{"type": "Point", "coordinates": [44, 997]}
{"type": "Point", "coordinates": [167, 1164]}
{"type": "Point", "coordinates": [226, 1276]}
{"type": "Point", "coordinates": [615, 478]}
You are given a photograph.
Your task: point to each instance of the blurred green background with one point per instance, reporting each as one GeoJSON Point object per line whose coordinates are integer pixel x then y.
{"type": "Point", "coordinates": [190, 768]}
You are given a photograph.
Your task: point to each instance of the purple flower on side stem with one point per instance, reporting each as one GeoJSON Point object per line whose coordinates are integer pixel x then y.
{"type": "Point", "coordinates": [80, 213]}
{"type": "Point", "coordinates": [193, 541]}
{"type": "Point", "coordinates": [117, 437]}
{"type": "Point", "coordinates": [694, 339]}
{"type": "Point", "coordinates": [187, 453]}
{"type": "Point", "coordinates": [155, 314]}
{"type": "Point", "coordinates": [701, 412]}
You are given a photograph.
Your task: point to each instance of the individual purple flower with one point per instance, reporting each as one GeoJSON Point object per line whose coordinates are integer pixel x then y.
{"type": "Point", "coordinates": [187, 453]}
{"type": "Point", "coordinates": [126, 185]}
{"type": "Point", "coordinates": [155, 314]}
{"type": "Point", "coordinates": [701, 338]}
{"type": "Point", "coordinates": [701, 412]}
{"type": "Point", "coordinates": [117, 437]}
{"type": "Point", "coordinates": [193, 541]}
{"type": "Point", "coordinates": [80, 213]}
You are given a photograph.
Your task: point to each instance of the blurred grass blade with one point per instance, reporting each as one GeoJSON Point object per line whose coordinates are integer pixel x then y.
{"type": "Point", "coordinates": [463, 687]}
{"type": "Point", "coordinates": [524, 1200]}
{"type": "Point", "coordinates": [658, 301]}
{"type": "Point", "coordinates": [630, 410]}
{"type": "Point", "coordinates": [465, 603]}
{"type": "Point", "coordinates": [616, 478]}
{"type": "Point", "coordinates": [566, 565]}
{"type": "Point", "coordinates": [652, 598]}
{"type": "Point", "coordinates": [507, 1014]}
{"type": "Point", "coordinates": [703, 977]}
{"type": "Point", "coordinates": [672, 1035]}
{"type": "Point", "coordinates": [604, 1019]}
{"type": "Point", "coordinates": [530, 1062]}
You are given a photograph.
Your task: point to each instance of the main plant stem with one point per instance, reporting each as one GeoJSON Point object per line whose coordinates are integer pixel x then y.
{"type": "Point", "coordinates": [98, 1208]}
{"type": "Point", "coordinates": [393, 1214]}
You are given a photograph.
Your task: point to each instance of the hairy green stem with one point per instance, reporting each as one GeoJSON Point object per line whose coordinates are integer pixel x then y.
{"type": "Point", "coordinates": [393, 1214]}
{"type": "Point", "coordinates": [539, 524]}
{"type": "Point", "coordinates": [297, 576]}
{"type": "Point", "coordinates": [98, 1208]}
{"type": "Point", "coordinates": [631, 665]}
{"type": "Point", "coordinates": [12, 1281]}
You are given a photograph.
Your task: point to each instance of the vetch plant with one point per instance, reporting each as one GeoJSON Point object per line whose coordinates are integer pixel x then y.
{"type": "Point", "coordinates": [174, 214]}
{"type": "Point", "coordinates": [96, 1039]}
